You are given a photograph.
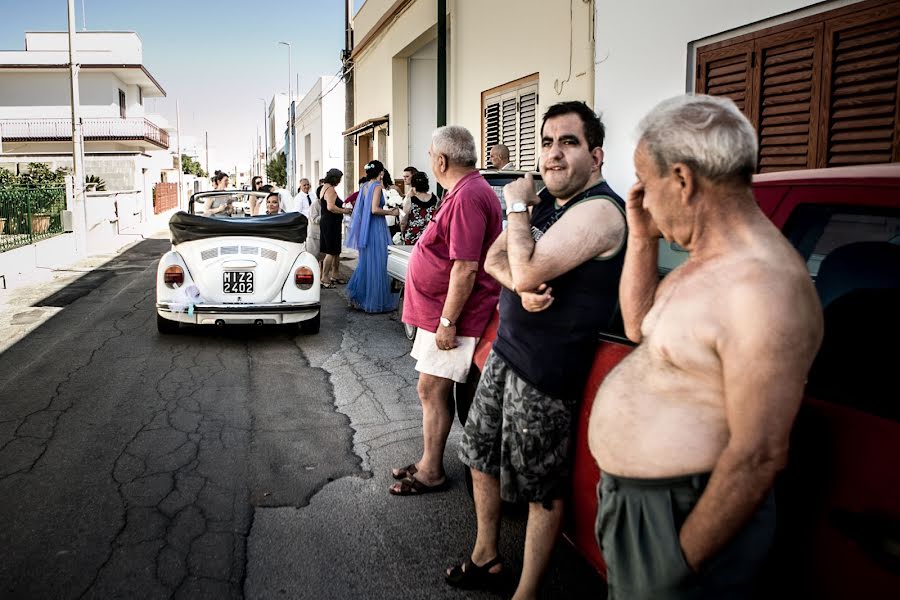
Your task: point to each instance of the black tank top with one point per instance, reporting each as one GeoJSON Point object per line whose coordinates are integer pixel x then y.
{"type": "Point", "coordinates": [553, 350]}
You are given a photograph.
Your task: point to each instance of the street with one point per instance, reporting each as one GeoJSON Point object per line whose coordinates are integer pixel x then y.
{"type": "Point", "coordinates": [222, 463]}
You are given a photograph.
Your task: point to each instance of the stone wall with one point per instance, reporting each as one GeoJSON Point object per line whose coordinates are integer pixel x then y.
{"type": "Point", "coordinates": [119, 171]}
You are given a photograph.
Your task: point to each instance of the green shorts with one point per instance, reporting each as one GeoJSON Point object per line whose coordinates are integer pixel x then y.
{"type": "Point", "coordinates": [519, 435]}
{"type": "Point", "coordinates": [638, 523]}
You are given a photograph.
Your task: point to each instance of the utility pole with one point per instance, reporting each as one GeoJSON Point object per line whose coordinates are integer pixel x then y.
{"type": "Point", "coordinates": [178, 149]}
{"type": "Point", "coordinates": [79, 212]}
{"type": "Point", "coordinates": [350, 176]}
{"type": "Point", "coordinates": [206, 133]}
{"type": "Point", "coordinates": [265, 137]}
{"type": "Point", "coordinates": [441, 69]}
{"type": "Point", "coordinates": [289, 146]}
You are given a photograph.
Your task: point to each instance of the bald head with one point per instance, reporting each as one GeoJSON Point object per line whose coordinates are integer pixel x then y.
{"type": "Point", "coordinates": [499, 156]}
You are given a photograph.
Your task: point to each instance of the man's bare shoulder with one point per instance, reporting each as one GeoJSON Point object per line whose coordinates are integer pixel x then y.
{"type": "Point", "coordinates": [596, 221]}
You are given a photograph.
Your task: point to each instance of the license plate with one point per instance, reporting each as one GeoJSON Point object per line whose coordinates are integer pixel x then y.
{"type": "Point", "coordinates": [237, 282]}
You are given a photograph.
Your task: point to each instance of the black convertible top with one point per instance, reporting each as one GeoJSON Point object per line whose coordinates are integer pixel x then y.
{"type": "Point", "coordinates": [288, 227]}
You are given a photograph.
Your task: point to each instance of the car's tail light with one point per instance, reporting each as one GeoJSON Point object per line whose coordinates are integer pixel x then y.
{"type": "Point", "coordinates": [304, 278]}
{"type": "Point", "coordinates": [174, 276]}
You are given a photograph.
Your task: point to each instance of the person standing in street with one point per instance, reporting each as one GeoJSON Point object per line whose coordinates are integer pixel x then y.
{"type": "Point", "coordinates": [559, 261]}
{"type": "Point", "coordinates": [369, 288]}
{"type": "Point", "coordinates": [500, 158]}
{"type": "Point", "coordinates": [302, 201]}
{"type": "Point", "coordinates": [691, 428]}
{"type": "Point", "coordinates": [448, 296]}
{"type": "Point", "coordinates": [423, 204]}
{"type": "Point", "coordinates": [330, 226]}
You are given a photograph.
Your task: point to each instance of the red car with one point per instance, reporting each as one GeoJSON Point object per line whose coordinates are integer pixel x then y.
{"type": "Point", "coordinates": [838, 530]}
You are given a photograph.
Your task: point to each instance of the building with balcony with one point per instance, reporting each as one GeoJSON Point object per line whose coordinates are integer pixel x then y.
{"type": "Point", "coordinates": [35, 114]}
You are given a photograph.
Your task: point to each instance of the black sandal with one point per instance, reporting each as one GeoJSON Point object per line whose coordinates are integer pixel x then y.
{"type": "Point", "coordinates": [469, 576]}
{"type": "Point", "coordinates": [404, 472]}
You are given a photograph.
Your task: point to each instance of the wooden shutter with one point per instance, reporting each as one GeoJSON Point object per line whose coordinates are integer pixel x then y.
{"type": "Point", "coordinates": [789, 89]}
{"type": "Point", "coordinates": [528, 98]}
{"type": "Point", "coordinates": [861, 104]}
{"type": "Point", "coordinates": [491, 128]}
{"type": "Point", "coordinates": [728, 72]}
{"type": "Point", "coordinates": [509, 119]}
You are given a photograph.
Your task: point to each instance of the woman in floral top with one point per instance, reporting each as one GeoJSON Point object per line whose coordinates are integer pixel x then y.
{"type": "Point", "coordinates": [423, 204]}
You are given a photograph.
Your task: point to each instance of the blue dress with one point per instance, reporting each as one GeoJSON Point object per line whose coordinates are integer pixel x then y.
{"type": "Point", "coordinates": [370, 288]}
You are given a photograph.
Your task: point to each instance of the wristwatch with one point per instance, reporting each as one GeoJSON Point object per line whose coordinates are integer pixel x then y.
{"type": "Point", "coordinates": [445, 322]}
{"type": "Point", "coordinates": [516, 207]}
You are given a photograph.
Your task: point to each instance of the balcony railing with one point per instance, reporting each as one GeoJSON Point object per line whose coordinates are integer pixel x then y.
{"type": "Point", "coordinates": [94, 130]}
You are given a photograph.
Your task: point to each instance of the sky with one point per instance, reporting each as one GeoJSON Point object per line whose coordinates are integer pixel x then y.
{"type": "Point", "coordinates": [216, 57]}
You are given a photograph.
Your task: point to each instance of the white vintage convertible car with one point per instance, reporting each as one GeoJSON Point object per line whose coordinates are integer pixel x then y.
{"type": "Point", "coordinates": [229, 268]}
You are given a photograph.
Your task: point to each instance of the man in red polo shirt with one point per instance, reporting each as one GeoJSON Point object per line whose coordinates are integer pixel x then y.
{"type": "Point", "coordinates": [448, 296]}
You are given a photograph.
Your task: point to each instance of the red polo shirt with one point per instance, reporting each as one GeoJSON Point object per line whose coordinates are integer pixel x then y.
{"type": "Point", "coordinates": [464, 228]}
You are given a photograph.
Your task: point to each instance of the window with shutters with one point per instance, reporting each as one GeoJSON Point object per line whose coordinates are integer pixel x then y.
{"type": "Point", "coordinates": [822, 91]}
{"type": "Point", "coordinates": [509, 117]}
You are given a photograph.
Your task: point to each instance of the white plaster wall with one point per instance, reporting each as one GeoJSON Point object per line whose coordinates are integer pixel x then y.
{"type": "Point", "coordinates": [99, 47]}
{"type": "Point", "coordinates": [40, 95]}
{"type": "Point", "coordinates": [333, 107]}
{"type": "Point", "coordinates": [642, 61]}
{"type": "Point", "coordinates": [535, 39]}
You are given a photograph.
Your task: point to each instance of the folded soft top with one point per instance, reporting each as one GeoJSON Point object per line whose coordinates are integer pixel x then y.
{"type": "Point", "coordinates": [288, 227]}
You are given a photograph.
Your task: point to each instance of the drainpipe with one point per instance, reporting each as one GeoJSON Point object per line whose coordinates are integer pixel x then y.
{"type": "Point", "coordinates": [351, 175]}
{"type": "Point", "coordinates": [441, 70]}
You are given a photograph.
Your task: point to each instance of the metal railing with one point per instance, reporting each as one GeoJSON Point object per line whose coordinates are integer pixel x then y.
{"type": "Point", "coordinates": [58, 130]}
{"type": "Point", "coordinates": [29, 214]}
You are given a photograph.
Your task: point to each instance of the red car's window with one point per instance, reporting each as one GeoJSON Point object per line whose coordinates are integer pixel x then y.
{"type": "Point", "coordinates": [854, 259]}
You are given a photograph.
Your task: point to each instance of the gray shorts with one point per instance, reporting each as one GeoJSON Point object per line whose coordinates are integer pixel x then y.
{"type": "Point", "coordinates": [518, 435]}
{"type": "Point", "coordinates": [638, 523]}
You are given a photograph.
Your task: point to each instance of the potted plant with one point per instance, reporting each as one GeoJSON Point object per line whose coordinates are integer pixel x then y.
{"type": "Point", "coordinates": [93, 183]}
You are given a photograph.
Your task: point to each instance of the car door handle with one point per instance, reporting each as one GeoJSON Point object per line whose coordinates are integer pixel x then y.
{"type": "Point", "coordinates": [877, 534]}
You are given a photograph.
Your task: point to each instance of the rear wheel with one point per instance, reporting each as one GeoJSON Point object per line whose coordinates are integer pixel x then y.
{"type": "Point", "coordinates": [409, 330]}
{"type": "Point", "coordinates": [311, 326]}
{"type": "Point", "coordinates": [165, 326]}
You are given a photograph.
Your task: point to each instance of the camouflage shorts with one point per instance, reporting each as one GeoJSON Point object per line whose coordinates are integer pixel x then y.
{"type": "Point", "coordinates": [519, 435]}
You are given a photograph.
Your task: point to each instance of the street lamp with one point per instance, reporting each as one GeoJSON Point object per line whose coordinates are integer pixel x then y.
{"type": "Point", "coordinates": [265, 129]}
{"type": "Point", "coordinates": [287, 151]}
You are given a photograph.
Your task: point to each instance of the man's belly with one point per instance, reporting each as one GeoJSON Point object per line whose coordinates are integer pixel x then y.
{"type": "Point", "coordinates": [650, 421]}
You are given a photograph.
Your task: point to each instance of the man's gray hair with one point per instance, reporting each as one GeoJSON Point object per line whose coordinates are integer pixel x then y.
{"type": "Point", "coordinates": [502, 151]}
{"type": "Point", "coordinates": [456, 143]}
{"type": "Point", "coordinates": [708, 133]}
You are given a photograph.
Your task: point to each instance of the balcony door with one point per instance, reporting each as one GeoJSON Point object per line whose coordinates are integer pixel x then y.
{"type": "Point", "coordinates": [121, 104]}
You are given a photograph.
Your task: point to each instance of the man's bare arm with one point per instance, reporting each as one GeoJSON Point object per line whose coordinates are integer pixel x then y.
{"type": "Point", "coordinates": [637, 286]}
{"type": "Point", "coordinates": [769, 338]}
{"type": "Point", "coordinates": [496, 264]}
{"type": "Point", "coordinates": [590, 229]}
{"type": "Point", "coordinates": [462, 281]}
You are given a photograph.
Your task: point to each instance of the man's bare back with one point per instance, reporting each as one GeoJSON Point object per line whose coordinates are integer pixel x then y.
{"type": "Point", "coordinates": [662, 411]}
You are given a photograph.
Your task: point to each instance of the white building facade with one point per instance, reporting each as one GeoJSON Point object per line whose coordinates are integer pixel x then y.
{"type": "Point", "coordinates": [319, 124]}
{"type": "Point", "coordinates": [35, 113]}
{"type": "Point", "coordinates": [819, 80]}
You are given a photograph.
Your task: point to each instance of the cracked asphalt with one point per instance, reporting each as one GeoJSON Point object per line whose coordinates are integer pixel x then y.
{"type": "Point", "coordinates": [220, 463]}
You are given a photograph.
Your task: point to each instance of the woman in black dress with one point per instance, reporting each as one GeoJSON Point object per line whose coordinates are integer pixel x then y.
{"type": "Point", "coordinates": [330, 226]}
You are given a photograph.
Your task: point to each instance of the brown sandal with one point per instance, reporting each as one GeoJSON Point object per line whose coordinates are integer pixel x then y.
{"type": "Point", "coordinates": [410, 486]}
{"type": "Point", "coordinates": [404, 472]}
{"type": "Point", "coordinates": [469, 576]}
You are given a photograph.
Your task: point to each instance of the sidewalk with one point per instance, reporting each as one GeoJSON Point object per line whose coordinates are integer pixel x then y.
{"type": "Point", "coordinates": [28, 284]}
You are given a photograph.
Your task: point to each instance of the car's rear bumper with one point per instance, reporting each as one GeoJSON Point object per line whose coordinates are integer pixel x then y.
{"type": "Point", "coordinates": [210, 314]}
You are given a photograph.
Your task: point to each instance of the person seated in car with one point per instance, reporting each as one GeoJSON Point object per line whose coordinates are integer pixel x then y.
{"type": "Point", "coordinates": [273, 204]}
{"type": "Point", "coordinates": [221, 205]}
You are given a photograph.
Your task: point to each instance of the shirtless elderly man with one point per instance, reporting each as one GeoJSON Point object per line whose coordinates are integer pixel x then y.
{"type": "Point", "coordinates": [690, 430]}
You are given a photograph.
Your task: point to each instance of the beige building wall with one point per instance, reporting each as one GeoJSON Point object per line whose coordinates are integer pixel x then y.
{"type": "Point", "coordinates": [381, 72]}
{"type": "Point", "coordinates": [480, 57]}
{"type": "Point", "coordinates": [537, 37]}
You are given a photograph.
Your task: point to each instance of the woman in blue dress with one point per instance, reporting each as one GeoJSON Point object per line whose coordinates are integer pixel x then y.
{"type": "Point", "coordinates": [370, 288]}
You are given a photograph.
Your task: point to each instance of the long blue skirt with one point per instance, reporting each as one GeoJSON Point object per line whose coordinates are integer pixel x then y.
{"type": "Point", "coordinates": [370, 288]}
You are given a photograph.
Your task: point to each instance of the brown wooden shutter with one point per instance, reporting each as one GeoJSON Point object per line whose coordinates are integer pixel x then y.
{"type": "Point", "coordinates": [491, 129]}
{"type": "Point", "coordinates": [789, 89]}
{"type": "Point", "coordinates": [728, 72]}
{"type": "Point", "coordinates": [527, 128]}
{"type": "Point", "coordinates": [861, 101]}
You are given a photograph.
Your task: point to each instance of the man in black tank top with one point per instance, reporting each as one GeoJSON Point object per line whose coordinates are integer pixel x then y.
{"type": "Point", "coordinates": [559, 262]}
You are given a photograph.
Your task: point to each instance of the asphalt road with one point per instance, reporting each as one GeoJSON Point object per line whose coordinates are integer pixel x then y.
{"type": "Point", "coordinates": [222, 463]}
